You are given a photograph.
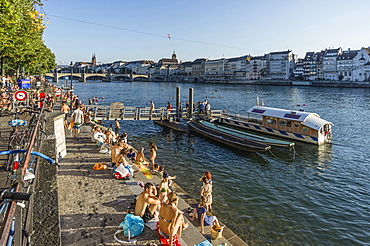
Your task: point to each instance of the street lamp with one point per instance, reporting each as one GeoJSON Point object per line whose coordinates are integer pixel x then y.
{"type": "Point", "coordinates": [71, 65]}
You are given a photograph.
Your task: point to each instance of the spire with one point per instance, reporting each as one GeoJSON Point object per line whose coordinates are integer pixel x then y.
{"type": "Point", "coordinates": [93, 60]}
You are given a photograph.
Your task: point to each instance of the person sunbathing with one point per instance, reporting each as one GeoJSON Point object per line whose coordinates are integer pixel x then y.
{"type": "Point", "coordinates": [171, 219]}
{"type": "Point", "coordinates": [140, 156]}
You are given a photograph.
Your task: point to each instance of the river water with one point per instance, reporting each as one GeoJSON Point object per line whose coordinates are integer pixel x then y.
{"type": "Point", "coordinates": [321, 197]}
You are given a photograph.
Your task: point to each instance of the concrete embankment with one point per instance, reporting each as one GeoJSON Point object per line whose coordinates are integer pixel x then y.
{"type": "Point", "coordinates": [93, 203]}
{"type": "Point", "coordinates": [320, 83]}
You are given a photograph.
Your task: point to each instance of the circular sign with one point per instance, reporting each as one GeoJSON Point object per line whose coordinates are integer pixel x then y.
{"type": "Point", "coordinates": [20, 95]}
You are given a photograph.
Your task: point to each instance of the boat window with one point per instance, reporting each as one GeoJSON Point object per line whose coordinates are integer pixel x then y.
{"type": "Point", "coordinates": [305, 129]}
{"type": "Point", "coordinates": [286, 123]}
{"type": "Point", "coordinates": [296, 124]}
{"type": "Point", "coordinates": [271, 120]}
{"type": "Point", "coordinates": [326, 127]}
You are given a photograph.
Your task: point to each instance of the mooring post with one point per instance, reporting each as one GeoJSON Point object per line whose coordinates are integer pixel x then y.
{"type": "Point", "coordinates": [191, 102]}
{"type": "Point", "coordinates": [178, 103]}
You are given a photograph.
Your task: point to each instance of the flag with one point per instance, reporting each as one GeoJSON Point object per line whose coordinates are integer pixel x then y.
{"type": "Point", "coordinates": [169, 36]}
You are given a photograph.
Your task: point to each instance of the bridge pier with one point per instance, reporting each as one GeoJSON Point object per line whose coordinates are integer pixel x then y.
{"type": "Point", "coordinates": [83, 75]}
{"type": "Point", "coordinates": [55, 76]}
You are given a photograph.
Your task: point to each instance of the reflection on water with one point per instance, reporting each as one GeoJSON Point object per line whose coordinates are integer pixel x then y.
{"type": "Point", "coordinates": [318, 198]}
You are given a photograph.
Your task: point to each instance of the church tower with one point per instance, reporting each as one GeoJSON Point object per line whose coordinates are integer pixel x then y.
{"type": "Point", "coordinates": [93, 60]}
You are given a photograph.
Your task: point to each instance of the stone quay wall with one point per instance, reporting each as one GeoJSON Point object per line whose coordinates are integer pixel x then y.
{"type": "Point", "coordinates": [76, 205]}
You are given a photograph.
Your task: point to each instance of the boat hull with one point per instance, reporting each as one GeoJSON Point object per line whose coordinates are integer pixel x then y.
{"type": "Point", "coordinates": [175, 126]}
{"type": "Point", "coordinates": [228, 139]}
{"type": "Point", "coordinates": [254, 137]}
{"type": "Point", "coordinates": [275, 132]}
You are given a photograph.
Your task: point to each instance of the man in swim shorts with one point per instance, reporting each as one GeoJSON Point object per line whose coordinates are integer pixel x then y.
{"type": "Point", "coordinates": [78, 118]}
{"type": "Point", "coordinates": [65, 109]}
{"type": "Point", "coordinates": [147, 203]}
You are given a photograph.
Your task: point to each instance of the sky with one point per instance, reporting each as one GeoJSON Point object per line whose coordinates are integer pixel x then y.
{"type": "Point", "coordinates": [129, 30]}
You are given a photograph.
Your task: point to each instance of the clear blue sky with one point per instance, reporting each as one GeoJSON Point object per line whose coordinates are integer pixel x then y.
{"type": "Point", "coordinates": [137, 29]}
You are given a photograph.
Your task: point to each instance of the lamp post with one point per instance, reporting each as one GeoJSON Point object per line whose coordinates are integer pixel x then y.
{"type": "Point", "coordinates": [71, 65]}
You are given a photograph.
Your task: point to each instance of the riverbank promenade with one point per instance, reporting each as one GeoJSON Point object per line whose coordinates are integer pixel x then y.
{"type": "Point", "coordinates": [92, 203]}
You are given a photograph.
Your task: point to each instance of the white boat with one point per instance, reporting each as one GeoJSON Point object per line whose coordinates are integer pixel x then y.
{"type": "Point", "coordinates": [297, 125]}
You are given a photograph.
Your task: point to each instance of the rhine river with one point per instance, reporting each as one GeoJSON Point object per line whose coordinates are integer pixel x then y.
{"type": "Point", "coordinates": [319, 198]}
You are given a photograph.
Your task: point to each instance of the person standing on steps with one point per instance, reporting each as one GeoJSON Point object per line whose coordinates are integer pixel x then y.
{"type": "Point", "coordinates": [78, 119]}
{"type": "Point", "coordinates": [153, 153]}
{"type": "Point", "coordinates": [117, 126]}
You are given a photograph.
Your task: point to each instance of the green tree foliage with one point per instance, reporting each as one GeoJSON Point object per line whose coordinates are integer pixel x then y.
{"type": "Point", "coordinates": [21, 44]}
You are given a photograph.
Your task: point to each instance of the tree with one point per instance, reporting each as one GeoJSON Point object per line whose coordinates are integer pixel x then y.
{"type": "Point", "coordinates": [21, 44]}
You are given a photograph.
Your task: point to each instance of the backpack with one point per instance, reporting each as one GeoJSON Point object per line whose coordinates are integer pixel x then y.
{"type": "Point", "coordinates": [132, 225]}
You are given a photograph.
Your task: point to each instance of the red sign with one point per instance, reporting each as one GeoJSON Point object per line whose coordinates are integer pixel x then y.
{"type": "Point", "coordinates": [20, 95]}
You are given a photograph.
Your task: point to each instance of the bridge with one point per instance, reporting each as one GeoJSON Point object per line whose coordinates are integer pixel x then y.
{"type": "Point", "coordinates": [101, 77]}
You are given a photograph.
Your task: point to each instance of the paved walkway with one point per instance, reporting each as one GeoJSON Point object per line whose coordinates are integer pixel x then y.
{"type": "Point", "coordinates": [93, 203]}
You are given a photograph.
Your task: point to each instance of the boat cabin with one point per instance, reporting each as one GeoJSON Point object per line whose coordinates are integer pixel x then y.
{"type": "Point", "coordinates": [298, 122]}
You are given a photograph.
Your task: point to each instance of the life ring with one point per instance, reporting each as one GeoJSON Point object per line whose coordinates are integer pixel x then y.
{"type": "Point", "coordinates": [100, 166]}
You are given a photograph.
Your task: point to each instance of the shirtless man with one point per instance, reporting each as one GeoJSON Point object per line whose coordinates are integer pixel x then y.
{"type": "Point", "coordinates": [147, 203]}
{"type": "Point", "coordinates": [117, 125]}
{"type": "Point", "coordinates": [65, 109]}
{"type": "Point", "coordinates": [151, 109]}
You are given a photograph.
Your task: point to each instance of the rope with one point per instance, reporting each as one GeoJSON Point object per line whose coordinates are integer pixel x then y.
{"type": "Point", "coordinates": [294, 154]}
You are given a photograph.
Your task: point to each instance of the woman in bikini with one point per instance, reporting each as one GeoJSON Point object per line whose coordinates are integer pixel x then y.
{"type": "Point", "coordinates": [171, 219]}
{"type": "Point", "coordinates": [164, 188]}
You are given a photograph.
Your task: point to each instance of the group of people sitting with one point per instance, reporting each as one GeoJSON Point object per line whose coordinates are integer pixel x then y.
{"type": "Point", "coordinates": [171, 219]}
{"type": "Point", "coordinates": [161, 202]}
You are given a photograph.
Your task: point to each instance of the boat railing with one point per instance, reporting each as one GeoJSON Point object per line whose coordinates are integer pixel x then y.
{"type": "Point", "coordinates": [216, 113]}
{"type": "Point", "coordinates": [250, 120]}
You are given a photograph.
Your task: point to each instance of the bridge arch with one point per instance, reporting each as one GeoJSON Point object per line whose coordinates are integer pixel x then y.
{"type": "Point", "coordinates": [96, 78]}
{"type": "Point", "coordinates": [156, 78]}
{"type": "Point", "coordinates": [121, 78]}
{"type": "Point", "coordinates": [68, 77]}
{"type": "Point", "coordinates": [139, 78]}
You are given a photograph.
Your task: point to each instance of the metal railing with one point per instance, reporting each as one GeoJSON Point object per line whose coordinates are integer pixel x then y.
{"type": "Point", "coordinates": [16, 228]}
{"type": "Point", "coordinates": [135, 113]}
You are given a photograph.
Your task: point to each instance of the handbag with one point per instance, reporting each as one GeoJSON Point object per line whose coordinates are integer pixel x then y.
{"type": "Point", "coordinates": [216, 232]}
